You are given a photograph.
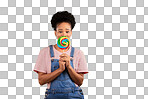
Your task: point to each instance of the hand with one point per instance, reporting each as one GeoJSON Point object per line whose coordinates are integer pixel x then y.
{"type": "Point", "coordinates": [65, 58]}
{"type": "Point", "coordinates": [61, 65]}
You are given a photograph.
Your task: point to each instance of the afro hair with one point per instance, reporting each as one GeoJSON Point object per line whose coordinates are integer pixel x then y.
{"type": "Point", "coordinates": [62, 16]}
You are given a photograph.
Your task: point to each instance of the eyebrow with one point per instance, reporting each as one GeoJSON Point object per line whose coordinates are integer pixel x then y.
{"type": "Point", "coordinates": [62, 29]}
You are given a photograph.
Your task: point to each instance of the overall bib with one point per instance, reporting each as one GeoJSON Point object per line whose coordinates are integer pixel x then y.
{"type": "Point", "coordinates": [62, 87]}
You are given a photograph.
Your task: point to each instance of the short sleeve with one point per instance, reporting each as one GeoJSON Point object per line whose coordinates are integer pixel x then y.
{"type": "Point", "coordinates": [40, 62]}
{"type": "Point", "coordinates": [82, 65]}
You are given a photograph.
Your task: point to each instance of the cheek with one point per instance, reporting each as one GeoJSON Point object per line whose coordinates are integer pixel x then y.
{"type": "Point", "coordinates": [59, 35]}
{"type": "Point", "coordinates": [68, 35]}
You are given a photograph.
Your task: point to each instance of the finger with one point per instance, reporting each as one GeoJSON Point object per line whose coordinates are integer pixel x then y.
{"type": "Point", "coordinates": [63, 59]}
{"type": "Point", "coordinates": [62, 55]}
{"type": "Point", "coordinates": [63, 63]}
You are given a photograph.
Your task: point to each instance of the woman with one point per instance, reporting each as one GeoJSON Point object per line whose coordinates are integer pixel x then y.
{"type": "Point", "coordinates": [63, 72]}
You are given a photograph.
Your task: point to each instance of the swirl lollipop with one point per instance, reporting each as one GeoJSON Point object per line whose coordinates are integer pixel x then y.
{"type": "Point", "coordinates": [63, 42]}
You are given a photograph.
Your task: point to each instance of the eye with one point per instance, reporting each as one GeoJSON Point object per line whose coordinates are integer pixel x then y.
{"type": "Point", "coordinates": [60, 31]}
{"type": "Point", "coordinates": [67, 31]}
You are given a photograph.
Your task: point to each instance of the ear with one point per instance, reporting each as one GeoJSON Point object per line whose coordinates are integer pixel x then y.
{"type": "Point", "coordinates": [55, 33]}
{"type": "Point", "coordinates": [71, 33]}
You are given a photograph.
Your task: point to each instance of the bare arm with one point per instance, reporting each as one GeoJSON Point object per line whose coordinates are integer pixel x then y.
{"type": "Point", "coordinates": [76, 77]}
{"type": "Point", "coordinates": [46, 78]}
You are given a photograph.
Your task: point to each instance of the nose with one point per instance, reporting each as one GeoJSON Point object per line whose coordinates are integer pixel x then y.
{"type": "Point", "coordinates": [64, 34]}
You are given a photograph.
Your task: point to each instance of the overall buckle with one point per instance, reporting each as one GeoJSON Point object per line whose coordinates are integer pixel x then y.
{"type": "Point", "coordinates": [53, 91]}
{"type": "Point", "coordinates": [72, 90]}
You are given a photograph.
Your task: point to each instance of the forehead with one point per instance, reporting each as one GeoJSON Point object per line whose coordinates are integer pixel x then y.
{"type": "Point", "coordinates": [64, 26]}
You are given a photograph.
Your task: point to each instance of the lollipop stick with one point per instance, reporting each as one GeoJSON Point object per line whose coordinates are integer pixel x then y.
{"type": "Point", "coordinates": [62, 51]}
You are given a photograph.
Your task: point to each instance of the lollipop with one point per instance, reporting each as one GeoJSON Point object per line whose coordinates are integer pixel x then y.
{"type": "Point", "coordinates": [63, 42]}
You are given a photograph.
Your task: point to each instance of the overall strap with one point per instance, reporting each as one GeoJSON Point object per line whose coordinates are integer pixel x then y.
{"type": "Point", "coordinates": [51, 51]}
{"type": "Point", "coordinates": [72, 51]}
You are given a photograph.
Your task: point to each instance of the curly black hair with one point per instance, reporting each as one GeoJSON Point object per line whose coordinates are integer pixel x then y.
{"type": "Point", "coordinates": [62, 16]}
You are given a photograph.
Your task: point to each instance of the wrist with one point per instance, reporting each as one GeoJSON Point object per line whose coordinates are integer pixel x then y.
{"type": "Point", "coordinates": [69, 67]}
{"type": "Point", "coordinates": [60, 70]}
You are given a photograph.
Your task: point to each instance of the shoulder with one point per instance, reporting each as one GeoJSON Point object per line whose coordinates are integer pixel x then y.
{"type": "Point", "coordinates": [78, 52]}
{"type": "Point", "coordinates": [44, 50]}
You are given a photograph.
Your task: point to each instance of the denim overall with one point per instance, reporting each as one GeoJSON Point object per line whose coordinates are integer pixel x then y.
{"type": "Point", "coordinates": [62, 87]}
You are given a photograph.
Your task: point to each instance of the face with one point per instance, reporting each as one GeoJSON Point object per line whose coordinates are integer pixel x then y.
{"type": "Point", "coordinates": [63, 29]}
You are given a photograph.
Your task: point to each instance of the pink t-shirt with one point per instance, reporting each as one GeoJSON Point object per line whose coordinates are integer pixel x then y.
{"type": "Point", "coordinates": [43, 63]}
